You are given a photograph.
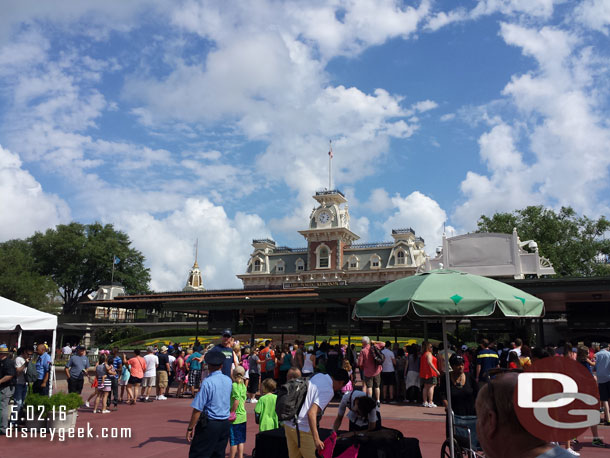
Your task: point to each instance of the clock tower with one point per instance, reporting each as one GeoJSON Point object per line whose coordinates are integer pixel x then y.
{"type": "Point", "coordinates": [328, 232]}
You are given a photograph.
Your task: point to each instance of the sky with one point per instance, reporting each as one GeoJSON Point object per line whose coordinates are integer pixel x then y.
{"type": "Point", "coordinates": [193, 119]}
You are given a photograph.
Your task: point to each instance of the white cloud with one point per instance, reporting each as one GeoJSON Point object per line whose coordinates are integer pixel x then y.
{"type": "Point", "coordinates": [425, 105]}
{"type": "Point", "coordinates": [379, 201]}
{"type": "Point", "coordinates": [168, 243]}
{"type": "Point", "coordinates": [421, 213]}
{"type": "Point", "coordinates": [565, 159]}
{"type": "Point", "coordinates": [594, 14]}
{"type": "Point", "coordinates": [447, 117]}
{"type": "Point", "coordinates": [24, 206]}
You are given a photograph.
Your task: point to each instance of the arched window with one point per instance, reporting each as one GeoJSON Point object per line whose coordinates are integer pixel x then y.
{"type": "Point", "coordinates": [375, 261]}
{"type": "Point", "coordinates": [280, 266]}
{"type": "Point", "coordinates": [353, 262]}
{"type": "Point", "coordinates": [323, 254]}
{"type": "Point", "coordinates": [258, 265]}
{"type": "Point", "coordinates": [300, 265]}
{"type": "Point", "coordinates": [324, 257]}
{"type": "Point", "coordinates": [400, 257]}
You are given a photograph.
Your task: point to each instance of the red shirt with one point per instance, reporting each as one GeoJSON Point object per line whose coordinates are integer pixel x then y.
{"type": "Point", "coordinates": [425, 371]}
{"type": "Point", "coordinates": [366, 361]}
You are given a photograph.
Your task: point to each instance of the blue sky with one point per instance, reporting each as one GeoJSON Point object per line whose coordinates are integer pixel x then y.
{"type": "Point", "coordinates": [196, 119]}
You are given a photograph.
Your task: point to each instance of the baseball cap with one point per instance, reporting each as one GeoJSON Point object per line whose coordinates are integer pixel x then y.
{"type": "Point", "coordinates": [456, 360]}
{"type": "Point", "coordinates": [227, 333]}
{"type": "Point", "coordinates": [603, 345]}
{"type": "Point", "coordinates": [464, 347]}
{"type": "Point", "coordinates": [80, 347]}
{"type": "Point", "coordinates": [239, 371]}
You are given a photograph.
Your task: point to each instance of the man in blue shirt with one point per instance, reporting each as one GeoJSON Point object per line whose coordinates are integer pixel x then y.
{"type": "Point", "coordinates": [486, 359]}
{"type": "Point", "coordinates": [43, 368]}
{"type": "Point", "coordinates": [76, 369]}
{"type": "Point", "coordinates": [602, 369]}
{"type": "Point", "coordinates": [208, 430]}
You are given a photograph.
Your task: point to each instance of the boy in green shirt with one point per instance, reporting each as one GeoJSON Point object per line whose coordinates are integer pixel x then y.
{"type": "Point", "coordinates": [264, 412]}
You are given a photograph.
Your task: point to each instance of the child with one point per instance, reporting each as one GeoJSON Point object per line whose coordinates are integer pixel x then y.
{"type": "Point", "coordinates": [264, 412]}
{"type": "Point", "coordinates": [125, 374]}
{"type": "Point", "coordinates": [104, 383]}
{"type": "Point", "coordinates": [238, 413]}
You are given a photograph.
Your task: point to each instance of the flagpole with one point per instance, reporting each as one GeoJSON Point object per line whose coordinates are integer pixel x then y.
{"type": "Point", "coordinates": [330, 165]}
{"type": "Point", "coordinates": [112, 276]}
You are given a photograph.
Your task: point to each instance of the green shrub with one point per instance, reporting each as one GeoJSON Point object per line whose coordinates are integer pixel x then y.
{"type": "Point", "coordinates": [70, 401]}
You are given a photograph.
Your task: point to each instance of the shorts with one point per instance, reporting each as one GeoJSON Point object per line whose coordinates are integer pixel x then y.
{"type": "Point", "coordinates": [149, 381]}
{"type": "Point", "coordinates": [163, 379]}
{"type": "Point", "coordinates": [429, 381]}
{"type": "Point", "coordinates": [237, 433]}
{"type": "Point", "coordinates": [604, 392]}
{"type": "Point", "coordinates": [135, 380]}
{"type": "Point", "coordinates": [253, 384]}
{"type": "Point", "coordinates": [388, 378]}
{"type": "Point", "coordinates": [373, 382]}
{"type": "Point", "coordinates": [194, 378]}
{"type": "Point", "coordinates": [123, 382]}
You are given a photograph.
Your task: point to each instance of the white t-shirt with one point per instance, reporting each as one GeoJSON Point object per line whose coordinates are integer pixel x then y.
{"type": "Point", "coordinates": [388, 365]}
{"type": "Point", "coordinates": [19, 362]}
{"type": "Point", "coordinates": [319, 392]}
{"type": "Point", "coordinates": [347, 401]}
{"type": "Point", "coordinates": [172, 358]}
{"type": "Point", "coordinates": [152, 361]}
{"type": "Point", "coordinates": [67, 350]}
{"type": "Point", "coordinates": [517, 350]}
{"type": "Point", "coordinates": [307, 364]}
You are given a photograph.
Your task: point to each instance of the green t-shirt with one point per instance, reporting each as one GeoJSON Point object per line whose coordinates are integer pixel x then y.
{"type": "Point", "coordinates": [265, 407]}
{"type": "Point", "coordinates": [239, 392]}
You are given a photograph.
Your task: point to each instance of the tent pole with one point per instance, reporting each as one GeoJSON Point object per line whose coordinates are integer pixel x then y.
{"type": "Point", "coordinates": [52, 371]}
{"type": "Point", "coordinates": [19, 337]}
{"type": "Point", "coordinates": [425, 331]}
{"type": "Point", "coordinates": [448, 384]}
{"type": "Point", "coordinates": [349, 323]}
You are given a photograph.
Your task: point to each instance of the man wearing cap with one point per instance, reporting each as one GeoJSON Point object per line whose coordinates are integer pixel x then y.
{"type": "Point", "coordinates": [208, 430]}
{"type": "Point", "coordinates": [162, 373]}
{"type": "Point", "coordinates": [7, 385]}
{"type": "Point", "coordinates": [150, 373]}
{"type": "Point", "coordinates": [226, 349]}
{"type": "Point", "coordinates": [602, 368]}
{"type": "Point", "coordinates": [76, 369]}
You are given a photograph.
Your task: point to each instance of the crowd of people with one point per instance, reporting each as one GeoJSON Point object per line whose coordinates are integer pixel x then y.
{"type": "Point", "coordinates": [222, 378]}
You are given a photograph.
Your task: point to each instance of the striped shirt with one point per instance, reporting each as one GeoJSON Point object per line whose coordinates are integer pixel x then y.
{"type": "Point", "coordinates": [487, 359]}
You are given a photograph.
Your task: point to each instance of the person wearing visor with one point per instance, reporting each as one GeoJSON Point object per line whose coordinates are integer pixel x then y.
{"type": "Point", "coordinates": [226, 348]}
{"type": "Point", "coordinates": [463, 391]}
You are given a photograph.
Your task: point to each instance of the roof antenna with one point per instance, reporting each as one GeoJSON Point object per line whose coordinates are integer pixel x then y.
{"type": "Point", "coordinates": [330, 165]}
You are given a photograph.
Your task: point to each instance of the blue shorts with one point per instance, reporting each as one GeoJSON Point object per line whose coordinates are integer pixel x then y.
{"type": "Point", "coordinates": [238, 433]}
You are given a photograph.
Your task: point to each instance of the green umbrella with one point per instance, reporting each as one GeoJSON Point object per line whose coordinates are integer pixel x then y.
{"type": "Point", "coordinates": [447, 294]}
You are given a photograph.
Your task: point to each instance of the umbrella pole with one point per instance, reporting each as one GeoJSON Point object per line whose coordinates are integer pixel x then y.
{"type": "Point", "coordinates": [448, 384]}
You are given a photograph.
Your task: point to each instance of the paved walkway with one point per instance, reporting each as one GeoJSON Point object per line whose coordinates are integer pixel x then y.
{"type": "Point", "coordinates": [158, 429]}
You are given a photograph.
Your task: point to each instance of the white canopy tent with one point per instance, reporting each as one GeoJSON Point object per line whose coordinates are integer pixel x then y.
{"type": "Point", "coordinates": [15, 316]}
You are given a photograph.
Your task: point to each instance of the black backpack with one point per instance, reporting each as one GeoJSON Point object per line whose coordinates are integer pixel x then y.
{"type": "Point", "coordinates": [290, 399]}
{"type": "Point", "coordinates": [377, 355]}
{"type": "Point", "coordinates": [30, 374]}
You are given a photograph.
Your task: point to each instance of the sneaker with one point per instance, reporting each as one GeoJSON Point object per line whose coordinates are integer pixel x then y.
{"type": "Point", "coordinates": [572, 452]}
{"type": "Point", "coordinates": [432, 405]}
{"type": "Point", "coordinates": [105, 411]}
{"type": "Point", "coordinates": [425, 404]}
{"type": "Point", "coordinates": [254, 401]}
{"type": "Point", "coordinates": [156, 398]}
{"type": "Point", "coordinates": [162, 398]}
{"type": "Point", "coordinates": [87, 404]}
{"type": "Point", "coordinates": [148, 400]}
{"type": "Point", "coordinates": [597, 442]}
{"type": "Point", "coordinates": [378, 404]}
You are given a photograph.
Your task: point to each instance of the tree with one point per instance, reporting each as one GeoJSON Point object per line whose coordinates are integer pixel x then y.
{"type": "Point", "coordinates": [19, 280]}
{"type": "Point", "coordinates": [574, 244]}
{"type": "Point", "coordinates": [79, 259]}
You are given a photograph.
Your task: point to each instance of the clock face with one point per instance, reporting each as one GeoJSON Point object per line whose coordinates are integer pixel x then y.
{"type": "Point", "coordinates": [324, 217]}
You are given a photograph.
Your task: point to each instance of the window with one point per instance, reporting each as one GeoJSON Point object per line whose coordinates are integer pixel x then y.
{"type": "Point", "coordinates": [323, 258]}
{"type": "Point", "coordinates": [280, 267]}
{"type": "Point", "coordinates": [300, 265]}
{"type": "Point", "coordinates": [375, 261]}
{"type": "Point", "coordinates": [400, 257]}
{"type": "Point", "coordinates": [352, 263]}
{"type": "Point", "coordinates": [258, 265]}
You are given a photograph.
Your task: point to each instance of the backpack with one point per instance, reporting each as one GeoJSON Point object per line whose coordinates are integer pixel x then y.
{"type": "Point", "coordinates": [269, 361]}
{"type": "Point", "coordinates": [31, 375]}
{"type": "Point", "coordinates": [290, 399]}
{"type": "Point", "coordinates": [377, 355]}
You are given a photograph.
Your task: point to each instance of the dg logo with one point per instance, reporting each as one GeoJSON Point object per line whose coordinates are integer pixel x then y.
{"type": "Point", "coordinates": [557, 399]}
